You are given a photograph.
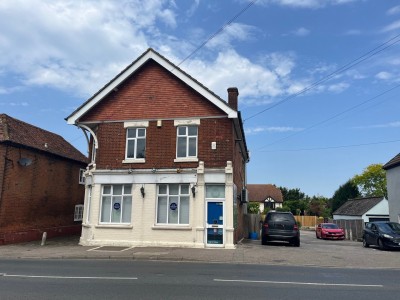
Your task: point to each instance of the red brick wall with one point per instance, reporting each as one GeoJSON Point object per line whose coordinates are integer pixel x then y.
{"type": "Point", "coordinates": [40, 196]}
{"type": "Point", "coordinates": [151, 93]}
{"type": "Point", "coordinates": [161, 145]}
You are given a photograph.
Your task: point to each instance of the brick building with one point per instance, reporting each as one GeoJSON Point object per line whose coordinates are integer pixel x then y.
{"type": "Point", "coordinates": [39, 183]}
{"type": "Point", "coordinates": [168, 160]}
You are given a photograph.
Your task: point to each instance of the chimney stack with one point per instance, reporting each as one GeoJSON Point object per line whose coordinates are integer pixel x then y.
{"type": "Point", "coordinates": [233, 94]}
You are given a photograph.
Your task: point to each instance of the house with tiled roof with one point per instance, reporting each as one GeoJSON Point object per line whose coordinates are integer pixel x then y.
{"type": "Point", "coordinates": [168, 160]}
{"type": "Point", "coordinates": [368, 209]}
{"type": "Point", "coordinates": [41, 183]}
{"type": "Point", "coordinates": [267, 195]}
{"type": "Point", "coordinates": [392, 168]}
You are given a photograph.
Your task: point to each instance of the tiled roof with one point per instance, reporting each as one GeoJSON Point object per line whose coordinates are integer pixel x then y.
{"type": "Point", "coordinates": [260, 192]}
{"type": "Point", "coordinates": [358, 206]}
{"type": "Point", "coordinates": [24, 134]}
{"type": "Point", "coordinates": [394, 162]}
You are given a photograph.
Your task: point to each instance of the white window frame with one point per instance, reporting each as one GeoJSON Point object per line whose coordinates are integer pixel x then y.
{"type": "Point", "coordinates": [136, 125]}
{"type": "Point", "coordinates": [187, 123]}
{"type": "Point", "coordinates": [78, 213]}
{"type": "Point", "coordinates": [168, 195]}
{"type": "Point", "coordinates": [111, 207]}
{"type": "Point", "coordinates": [82, 176]}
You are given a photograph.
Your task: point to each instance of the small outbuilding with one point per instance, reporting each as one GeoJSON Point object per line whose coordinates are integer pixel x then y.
{"type": "Point", "coordinates": [367, 209]}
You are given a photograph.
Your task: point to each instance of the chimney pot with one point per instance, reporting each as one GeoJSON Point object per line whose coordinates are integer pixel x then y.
{"type": "Point", "coordinates": [233, 94]}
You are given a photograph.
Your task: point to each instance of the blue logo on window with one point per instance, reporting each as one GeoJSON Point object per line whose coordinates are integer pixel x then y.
{"type": "Point", "coordinates": [173, 206]}
{"type": "Point", "coordinates": [117, 206]}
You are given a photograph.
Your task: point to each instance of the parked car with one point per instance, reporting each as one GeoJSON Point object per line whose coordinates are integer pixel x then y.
{"type": "Point", "coordinates": [329, 231]}
{"type": "Point", "coordinates": [280, 226]}
{"type": "Point", "coordinates": [383, 234]}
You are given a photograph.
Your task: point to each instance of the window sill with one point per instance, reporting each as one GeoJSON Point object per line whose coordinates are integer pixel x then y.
{"type": "Point", "coordinates": [170, 227]}
{"type": "Point", "coordinates": [186, 159]}
{"type": "Point", "coordinates": [134, 161]}
{"type": "Point", "coordinates": [114, 226]}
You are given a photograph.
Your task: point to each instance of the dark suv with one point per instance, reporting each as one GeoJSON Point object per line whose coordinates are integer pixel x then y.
{"type": "Point", "coordinates": [280, 226]}
{"type": "Point", "coordinates": [382, 234]}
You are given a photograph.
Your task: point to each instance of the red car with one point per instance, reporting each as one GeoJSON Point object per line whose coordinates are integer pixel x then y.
{"type": "Point", "coordinates": [329, 231]}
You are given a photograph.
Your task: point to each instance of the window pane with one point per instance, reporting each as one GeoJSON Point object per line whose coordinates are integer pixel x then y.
{"type": "Point", "coordinates": [126, 209]}
{"type": "Point", "coordinates": [116, 210]}
{"type": "Point", "coordinates": [192, 146]}
{"type": "Point", "coordinates": [192, 130]}
{"type": "Point", "coordinates": [107, 189]}
{"type": "Point", "coordinates": [181, 147]}
{"type": "Point", "coordinates": [141, 132]}
{"type": "Point", "coordinates": [215, 191]}
{"type": "Point", "coordinates": [184, 210]}
{"type": "Point", "coordinates": [174, 189]}
{"type": "Point", "coordinates": [130, 151]}
{"type": "Point", "coordinates": [131, 133]}
{"type": "Point", "coordinates": [117, 189]}
{"type": "Point", "coordinates": [162, 209]}
{"type": "Point", "coordinates": [105, 209]}
{"type": "Point", "coordinates": [162, 189]}
{"type": "Point", "coordinates": [141, 148]}
{"type": "Point", "coordinates": [173, 213]}
{"type": "Point", "coordinates": [127, 189]}
{"type": "Point", "coordinates": [184, 189]}
{"type": "Point", "coordinates": [182, 130]}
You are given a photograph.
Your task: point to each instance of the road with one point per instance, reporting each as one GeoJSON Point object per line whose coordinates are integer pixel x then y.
{"type": "Point", "coordinates": [120, 279]}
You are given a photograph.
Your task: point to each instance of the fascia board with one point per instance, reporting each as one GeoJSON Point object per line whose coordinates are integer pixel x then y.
{"type": "Point", "coordinates": [168, 66]}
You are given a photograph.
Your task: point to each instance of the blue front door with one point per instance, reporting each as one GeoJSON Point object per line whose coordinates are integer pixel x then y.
{"type": "Point", "coordinates": [215, 223]}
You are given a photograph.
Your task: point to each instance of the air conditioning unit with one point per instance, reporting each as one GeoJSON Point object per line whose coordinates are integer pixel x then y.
{"type": "Point", "coordinates": [244, 198]}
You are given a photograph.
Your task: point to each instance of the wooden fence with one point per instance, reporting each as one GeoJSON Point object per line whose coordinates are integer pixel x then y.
{"type": "Point", "coordinates": [353, 228]}
{"type": "Point", "coordinates": [307, 221]}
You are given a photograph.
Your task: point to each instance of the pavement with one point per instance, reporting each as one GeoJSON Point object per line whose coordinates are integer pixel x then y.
{"type": "Point", "coordinates": [313, 252]}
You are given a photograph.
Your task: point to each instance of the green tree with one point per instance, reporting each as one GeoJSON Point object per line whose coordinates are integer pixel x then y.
{"type": "Point", "coordinates": [372, 181]}
{"type": "Point", "coordinates": [347, 191]}
{"type": "Point", "coordinates": [294, 200]}
{"type": "Point", "coordinates": [319, 206]}
{"type": "Point", "coordinates": [291, 194]}
{"type": "Point", "coordinates": [253, 208]}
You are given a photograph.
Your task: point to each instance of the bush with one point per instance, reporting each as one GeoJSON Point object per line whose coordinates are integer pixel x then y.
{"type": "Point", "coordinates": [253, 208]}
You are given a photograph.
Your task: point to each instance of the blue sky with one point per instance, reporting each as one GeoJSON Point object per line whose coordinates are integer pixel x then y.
{"type": "Point", "coordinates": [318, 80]}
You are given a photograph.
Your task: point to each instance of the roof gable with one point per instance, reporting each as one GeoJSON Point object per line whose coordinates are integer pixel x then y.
{"type": "Point", "coordinates": [260, 192]}
{"type": "Point", "coordinates": [150, 54]}
{"type": "Point", "coordinates": [394, 162]}
{"type": "Point", "coordinates": [358, 206]}
{"type": "Point", "coordinates": [151, 93]}
{"type": "Point", "coordinates": [24, 134]}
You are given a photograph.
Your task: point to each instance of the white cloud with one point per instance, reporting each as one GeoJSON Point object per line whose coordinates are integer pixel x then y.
{"type": "Point", "coordinates": [395, 124]}
{"type": "Point", "coordinates": [338, 87]}
{"type": "Point", "coordinates": [393, 26]}
{"type": "Point", "coordinates": [260, 129]}
{"type": "Point", "coordinates": [353, 32]}
{"type": "Point", "coordinates": [231, 69]}
{"type": "Point", "coordinates": [301, 32]}
{"type": "Point", "coordinates": [78, 45]}
{"type": "Point", "coordinates": [306, 3]}
{"type": "Point", "coordinates": [193, 8]}
{"type": "Point", "coordinates": [235, 31]}
{"type": "Point", "coordinates": [394, 10]}
{"type": "Point", "coordinates": [384, 75]}
{"type": "Point", "coordinates": [15, 103]}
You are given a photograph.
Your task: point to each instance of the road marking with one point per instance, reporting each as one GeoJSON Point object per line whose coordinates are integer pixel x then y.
{"type": "Point", "coordinates": [66, 277]}
{"type": "Point", "coordinates": [301, 283]}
